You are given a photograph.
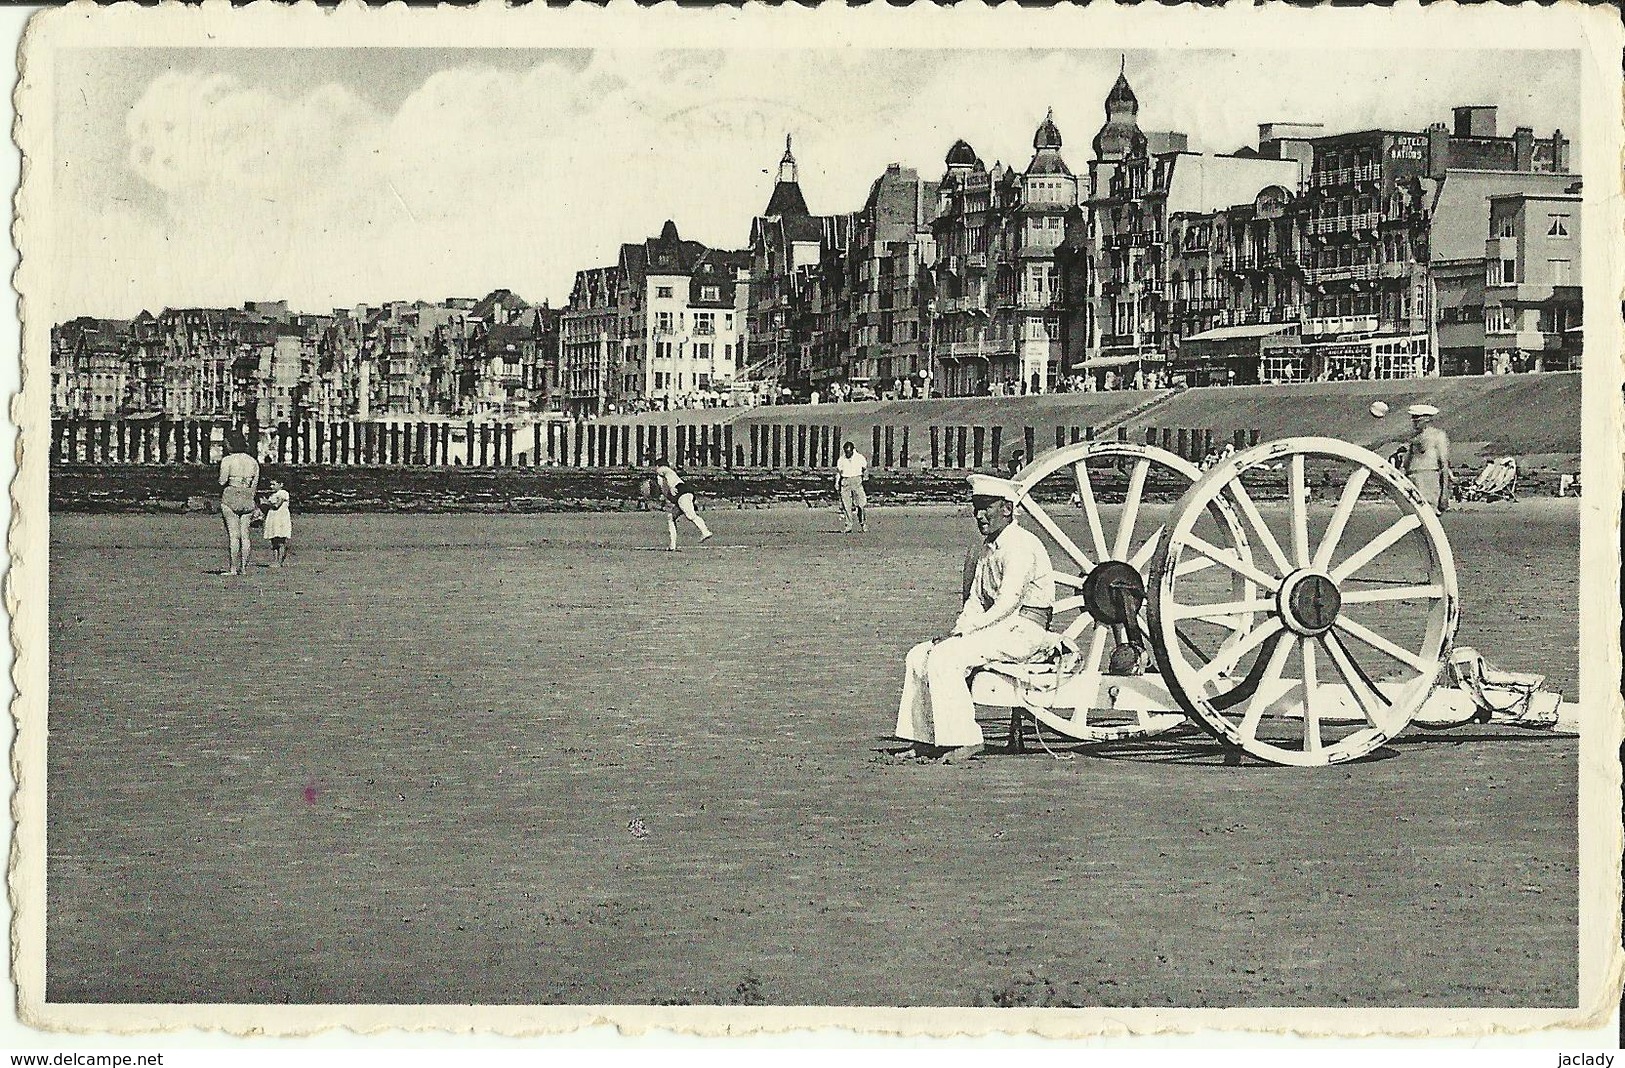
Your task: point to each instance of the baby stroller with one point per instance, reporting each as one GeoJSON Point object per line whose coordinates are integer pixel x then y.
{"type": "Point", "coordinates": [1497, 482]}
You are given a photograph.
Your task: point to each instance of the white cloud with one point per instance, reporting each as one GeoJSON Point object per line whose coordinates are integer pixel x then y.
{"type": "Point", "coordinates": [485, 177]}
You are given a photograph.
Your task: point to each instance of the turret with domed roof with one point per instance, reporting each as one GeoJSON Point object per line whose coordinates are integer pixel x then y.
{"type": "Point", "coordinates": [1047, 148]}
{"type": "Point", "coordinates": [962, 155]}
{"type": "Point", "coordinates": [1120, 134]}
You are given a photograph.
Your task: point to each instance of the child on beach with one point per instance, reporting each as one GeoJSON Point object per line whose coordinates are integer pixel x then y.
{"type": "Point", "coordinates": [278, 521]}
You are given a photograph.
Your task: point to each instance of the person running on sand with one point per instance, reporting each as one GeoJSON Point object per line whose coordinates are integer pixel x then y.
{"type": "Point", "coordinates": [278, 522]}
{"type": "Point", "coordinates": [849, 470]}
{"type": "Point", "coordinates": [239, 477]}
{"type": "Point", "coordinates": [678, 498]}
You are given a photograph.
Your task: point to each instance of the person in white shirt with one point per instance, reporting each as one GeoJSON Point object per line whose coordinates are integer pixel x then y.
{"type": "Point", "coordinates": [849, 469]}
{"type": "Point", "coordinates": [1005, 619]}
{"type": "Point", "coordinates": [677, 498]}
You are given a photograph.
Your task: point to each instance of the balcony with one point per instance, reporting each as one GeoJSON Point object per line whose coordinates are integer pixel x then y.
{"type": "Point", "coordinates": [1285, 315]}
{"type": "Point", "coordinates": [1338, 224]}
{"type": "Point", "coordinates": [976, 259]}
{"type": "Point", "coordinates": [1344, 324]}
{"type": "Point", "coordinates": [1341, 176]}
{"type": "Point", "coordinates": [1032, 300]}
{"type": "Point", "coordinates": [1523, 341]}
{"type": "Point", "coordinates": [1357, 272]}
{"type": "Point", "coordinates": [1527, 293]}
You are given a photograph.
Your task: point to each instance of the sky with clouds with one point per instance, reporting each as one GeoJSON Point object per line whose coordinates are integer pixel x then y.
{"type": "Point", "coordinates": [343, 176]}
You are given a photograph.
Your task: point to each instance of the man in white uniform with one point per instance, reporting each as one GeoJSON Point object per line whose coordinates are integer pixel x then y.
{"type": "Point", "coordinates": [849, 470]}
{"type": "Point", "coordinates": [1005, 620]}
{"type": "Point", "coordinates": [1427, 459]}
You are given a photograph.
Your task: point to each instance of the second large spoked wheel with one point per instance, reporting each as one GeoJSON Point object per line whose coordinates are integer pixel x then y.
{"type": "Point", "coordinates": [1104, 507]}
{"type": "Point", "coordinates": [1350, 613]}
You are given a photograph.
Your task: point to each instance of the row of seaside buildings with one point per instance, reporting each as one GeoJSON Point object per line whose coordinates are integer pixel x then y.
{"type": "Point", "coordinates": [1312, 255]}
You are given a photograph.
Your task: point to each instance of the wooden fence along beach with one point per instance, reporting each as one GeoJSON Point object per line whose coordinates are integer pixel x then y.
{"type": "Point", "coordinates": [723, 446]}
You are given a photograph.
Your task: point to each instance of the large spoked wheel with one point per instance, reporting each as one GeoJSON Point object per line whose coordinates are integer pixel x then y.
{"type": "Point", "coordinates": [1102, 507]}
{"type": "Point", "coordinates": [1354, 587]}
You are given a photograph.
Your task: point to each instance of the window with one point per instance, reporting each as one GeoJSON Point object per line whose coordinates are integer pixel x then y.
{"type": "Point", "coordinates": [1506, 227]}
{"type": "Point", "coordinates": [704, 323]}
{"type": "Point", "coordinates": [1498, 319]}
{"type": "Point", "coordinates": [1558, 226]}
{"type": "Point", "coordinates": [1509, 272]}
{"type": "Point", "coordinates": [702, 351]}
{"type": "Point", "coordinates": [664, 322]}
{"type": "Point", "coordinates": [710, 293]}
{"type": "Point", "coordinates": [1122, 318]}
{"type": "Point", "coordinates": [662, 350]}
{"type": "Point", "coordinates": [1560, 272]}
{"type": "Point", "coordinates": [663, 291]}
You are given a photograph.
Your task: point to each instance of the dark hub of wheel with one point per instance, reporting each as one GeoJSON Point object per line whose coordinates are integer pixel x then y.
{"type": "Point", "coordinates": [1309, 603]}
{"type": "Point", "coordinates": [1113, 592]}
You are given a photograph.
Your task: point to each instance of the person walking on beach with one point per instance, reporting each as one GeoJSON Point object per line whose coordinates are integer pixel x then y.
{"type": "Point", "coordinates": [239, 477]}
{"type": "Point", "coordinates": [278, 521]}
{"type": "Point", "coordinates": [1427, 456]}
{"type": "Point", "coordinates": [849, 470]}
{"type": "Point", "coordinates": [677, 496]}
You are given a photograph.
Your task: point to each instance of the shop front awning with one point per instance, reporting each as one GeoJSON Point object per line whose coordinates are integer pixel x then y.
{"type": "Point", "coordinates": [1235, 333]}
{"type": "Point", "coordinates": [1121, 360]}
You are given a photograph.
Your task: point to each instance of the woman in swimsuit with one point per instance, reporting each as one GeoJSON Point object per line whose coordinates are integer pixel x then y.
{"type": "Point", "coordinates": [678, 498]}
{"type": "Point", "coordinates": [239, 477]}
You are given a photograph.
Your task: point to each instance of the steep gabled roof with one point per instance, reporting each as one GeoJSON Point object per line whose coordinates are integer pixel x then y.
{"type": "Point", "coordinates": [506, 338]}
{"type": "Point", "coordinates": [802, 228]}
{"type": "Point", "coordinates": [506, 297]}
{"type": "Point", "coordinates": [666, 253]}
{"type": "Point", "coordinates": [787, 201]}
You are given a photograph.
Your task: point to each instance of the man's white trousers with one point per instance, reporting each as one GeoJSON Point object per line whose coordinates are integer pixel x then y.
{"type": "Point", "coordinates": [936, 707]}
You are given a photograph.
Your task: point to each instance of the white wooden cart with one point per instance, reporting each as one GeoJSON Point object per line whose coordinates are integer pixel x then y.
{"type": "Point", "coordinates": [1297, 601]}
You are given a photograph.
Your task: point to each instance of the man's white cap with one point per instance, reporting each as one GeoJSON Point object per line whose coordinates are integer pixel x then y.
{"type": "Point", "coordinates": [1422, 409]}
{"type": "Point", "coordinates": [989, 486]}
